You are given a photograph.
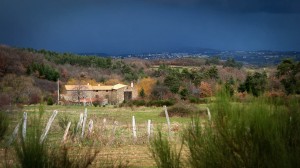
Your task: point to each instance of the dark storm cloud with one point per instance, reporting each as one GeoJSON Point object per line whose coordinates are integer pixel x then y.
{"type": "Point", "coordinates": [251, 6]}
{"type": "Point", "coordinates": [118, 26]}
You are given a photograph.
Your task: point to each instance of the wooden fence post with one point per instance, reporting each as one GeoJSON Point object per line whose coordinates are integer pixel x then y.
{"type": "Point", "coordinates": [134, 128]}
{"type": "Point", "coordinates": [14, 134]}
{"type": "Point", "coordinates": [79, 124]}
{"type": "Point", "coordinates": [115, 127]}
{"type": "Point", "coordinates": [84, 122]}
{"type": "Point", "coordinates": [149, 129]}
{"type": "Point", "coordinates": [208, 113]}
{"type": "Point", "coordinates": [91, 125]}
{"type": "Point", "coordinates": [104, 124]}
{"type": "Point", "coordinates": [168, 119]}
{"type": "Point", "coordinates": [66, 132]}
{"type": "Point", "coordinates": [24, 125]}
{"type": "Point", "coordinates": [48, 126]}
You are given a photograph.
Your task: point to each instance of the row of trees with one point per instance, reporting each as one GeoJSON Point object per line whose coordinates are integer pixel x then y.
{"type": "Point", "coordinates": [87, 61]}
{"type": "Point", "coordinates": [230, 62]}
{"type": "Point", "coordinates": [73, 59]}
{"type": "Point", "coordinates": [128, 71]}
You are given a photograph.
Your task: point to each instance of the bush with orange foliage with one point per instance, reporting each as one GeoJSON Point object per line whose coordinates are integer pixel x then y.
{"type": "Point", "coordinates": [147, 84]}
{"type": "Point", "coordinates": [205, 89]}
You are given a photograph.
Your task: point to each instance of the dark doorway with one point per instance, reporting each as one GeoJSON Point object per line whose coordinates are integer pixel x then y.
{"type": "Point", "coordinates": [127, 96]}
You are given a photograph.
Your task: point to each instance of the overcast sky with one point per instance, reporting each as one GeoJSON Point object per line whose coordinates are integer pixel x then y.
{"type": "Point", "coordinates": [134, 26]}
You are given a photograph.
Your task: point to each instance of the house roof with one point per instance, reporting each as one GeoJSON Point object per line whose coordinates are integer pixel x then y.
{"type": "Point", "coordinates": [102, 87]}
{"type": "Point", "coordinates": [78, 87]}
{"type": "Point", "coordinates": [90, 87]}
{"type": "Point", "coordinates": [118, 86]}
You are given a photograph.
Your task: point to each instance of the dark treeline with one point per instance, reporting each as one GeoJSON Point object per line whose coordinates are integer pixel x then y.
{"type": "Point", "coordinates": [73, 59]}
{"type": "Point", "coordinates": [119, 67]}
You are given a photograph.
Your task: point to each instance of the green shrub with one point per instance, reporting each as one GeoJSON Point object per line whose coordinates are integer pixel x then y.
{"type": "Point", "coordinates": [157, 103]}
{"type": "Point", "coordinates": [160, 103]}
{"type": "Point", "coordinates": [195, 100]}
{"type": "Point", "coordinates": [96, 103]}
{"type": "Point", "coordinates": [256, 134]}
{"type": "Point", "coordinates": [50, 101]}
{"type": "Point", "coordinates": [253, 134]}
{"type": "Point", "coordinates": [164, 154]}
{"type": "Point", "coordinates": [139, 102]}
{"type": "Point", "coordinates": [182, 110]}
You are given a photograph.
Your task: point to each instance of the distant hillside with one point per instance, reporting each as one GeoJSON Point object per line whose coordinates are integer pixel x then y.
{"type": "Point", "coordinates": [29, 76]}
{"type": "Point", "coordinates": [255, 58]}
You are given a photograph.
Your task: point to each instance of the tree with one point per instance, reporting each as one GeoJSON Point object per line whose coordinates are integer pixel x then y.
{"type": "Point", "coordinates": [205, 90]}
{"type": "Point", "coordinates": [289, 73]}
{"type": "Point", "coordinates": [255, 84]}
{"type": "Point", "coordinates": [212, 73]}
{"type": "Point", "coordinates": [229, 88]}
{"type": "Point", "coordinates": [215, 60]}
{"type": "Point", "coordinates": [173, 83]}
{"type": "Point", "coordinates": [230, 62]}
{"type": "Point", "coordinates": [147, 85]}
{"type": "Point", "coordinates": [184, 93]}
{"type": "Point", "coordinates": [79, 90]}
{"type": "Point", "coordinates": [196, 77]}
{"type": "Point", "coordinates": [160, 92]}
{"type": "Point", "coordinates": [142, 93]}
{"type": "Point", "coordinates": [43, 71]}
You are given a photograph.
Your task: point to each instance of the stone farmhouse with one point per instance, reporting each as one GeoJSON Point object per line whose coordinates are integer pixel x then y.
{"type": "Point", "coordinates": [106, 94]}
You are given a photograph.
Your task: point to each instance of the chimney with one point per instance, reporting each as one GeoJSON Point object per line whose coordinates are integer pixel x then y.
{"type": "Point", "coordinates": [131, 84]}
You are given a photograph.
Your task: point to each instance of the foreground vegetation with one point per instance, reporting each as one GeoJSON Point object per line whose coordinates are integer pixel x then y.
{"type": "Point", "coordinates": [260, 133]}
{"type": "Point", "coordinates": [111, 143]}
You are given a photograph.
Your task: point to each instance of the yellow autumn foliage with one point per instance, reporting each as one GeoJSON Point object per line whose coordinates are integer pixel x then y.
{"type": "Point", "coordinates": [147, 84]}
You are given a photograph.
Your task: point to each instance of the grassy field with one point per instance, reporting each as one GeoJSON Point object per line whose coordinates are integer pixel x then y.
{"type": "Point", "coordinates": [113, 138]}
{"type": "Point", "coordinates": [257, 131]}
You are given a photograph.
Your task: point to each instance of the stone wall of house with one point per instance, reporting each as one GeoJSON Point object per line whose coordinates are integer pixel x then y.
{"type": "Point", "coordinates": [71, 95]}
{"type": "Point", "coordinates": [102, 94]}
{"type": "Point", "coordinates": [133, 90]}
{"type": "Point", "coordinates": [113, 96]}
